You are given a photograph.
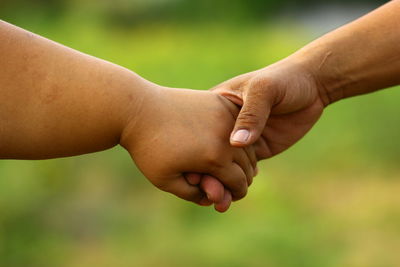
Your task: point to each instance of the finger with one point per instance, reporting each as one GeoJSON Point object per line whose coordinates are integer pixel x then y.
{"type": "Point", "coordinates": [193, 178]}
{"type": "Point", "coordinates": [252, 117]}
{"type": "Point", "coordinates": [225, 203]}
{"type": "Point", "coordinates": [240, 157]}
{"type": "Point", "coordinates": [233, 178]}
{"type": "Point", "coordinates": [182, 189]}
{"type": "Point", "coordinates": [205, 202]}
{"type": "Point", "coordinates": [262, 149]}
{"type": "Point", "coordinates": [213, 188]}
{"type": "Point", "coordinates": [251, 154]}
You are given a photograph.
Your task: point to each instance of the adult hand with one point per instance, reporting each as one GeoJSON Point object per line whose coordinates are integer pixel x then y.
{"type": "Point", "coordinates": [283, 101]}
{"type": "Point", "coordinates": [280, 104]}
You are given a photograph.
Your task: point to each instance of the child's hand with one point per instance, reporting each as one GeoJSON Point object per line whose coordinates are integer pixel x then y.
{"type": "Point", "coordinates": [180, 131]}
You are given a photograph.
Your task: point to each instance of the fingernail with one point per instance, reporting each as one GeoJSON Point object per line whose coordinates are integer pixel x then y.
{"type": "Point", "coordinates": [241, 136]}
{"type": "Point", "coordinates": [255, 171]}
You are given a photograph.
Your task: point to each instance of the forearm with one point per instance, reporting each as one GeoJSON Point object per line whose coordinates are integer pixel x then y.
{"type": "Point", "coordinates": [358, 58]}
{"type": "Point", "coordinates": [58, 102]}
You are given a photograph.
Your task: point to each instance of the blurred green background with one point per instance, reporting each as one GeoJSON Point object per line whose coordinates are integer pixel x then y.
{"type": "Point", "coordinates": [331, 200]}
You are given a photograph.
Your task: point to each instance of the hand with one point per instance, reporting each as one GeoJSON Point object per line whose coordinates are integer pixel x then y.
{"type": "Point", "coordinates": [180, 131]}
{"type": "Point", "coordinates": [280, 104]}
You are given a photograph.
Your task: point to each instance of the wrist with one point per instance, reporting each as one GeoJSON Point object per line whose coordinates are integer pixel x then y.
{"type": "Point", "coordinates": [140, 103]}
{"type": "Point", "coordinates": [329, 78]}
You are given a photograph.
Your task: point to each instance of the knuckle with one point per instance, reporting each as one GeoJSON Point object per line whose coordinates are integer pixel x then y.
{"type": "Point", "coordinates": [241, 192]}
{"type": "Point", "coordinates": [262, 154]}
{"type": "Point", "coordinates": [214, 158]}
{"type": "Point", "coordinates": [249, 117]}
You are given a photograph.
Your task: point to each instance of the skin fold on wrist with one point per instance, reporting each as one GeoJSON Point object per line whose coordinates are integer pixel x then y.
{"type": "Point", "coordinates": [329, 81]}
{"type": "Point", "coordinates": [135, 111]}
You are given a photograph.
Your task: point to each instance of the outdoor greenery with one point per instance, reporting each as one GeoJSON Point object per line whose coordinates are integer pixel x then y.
{"type": "Point", "coordinates": [331, 200]}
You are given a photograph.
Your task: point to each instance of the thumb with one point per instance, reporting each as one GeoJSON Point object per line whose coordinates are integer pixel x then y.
{"type": "Point", "coordinates": [251, 120]}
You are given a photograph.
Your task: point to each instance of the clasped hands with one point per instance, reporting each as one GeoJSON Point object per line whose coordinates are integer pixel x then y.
{"type": "Point", "coordinates": [203, 146]}
{"type": "Point", "coordinates": [279, 104]}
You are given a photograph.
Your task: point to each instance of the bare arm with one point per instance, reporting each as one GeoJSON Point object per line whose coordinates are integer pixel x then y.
{"type": "Point", "coordinates": [57, 101]}
{"type": "Point", "coordinates": [361, 57]}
